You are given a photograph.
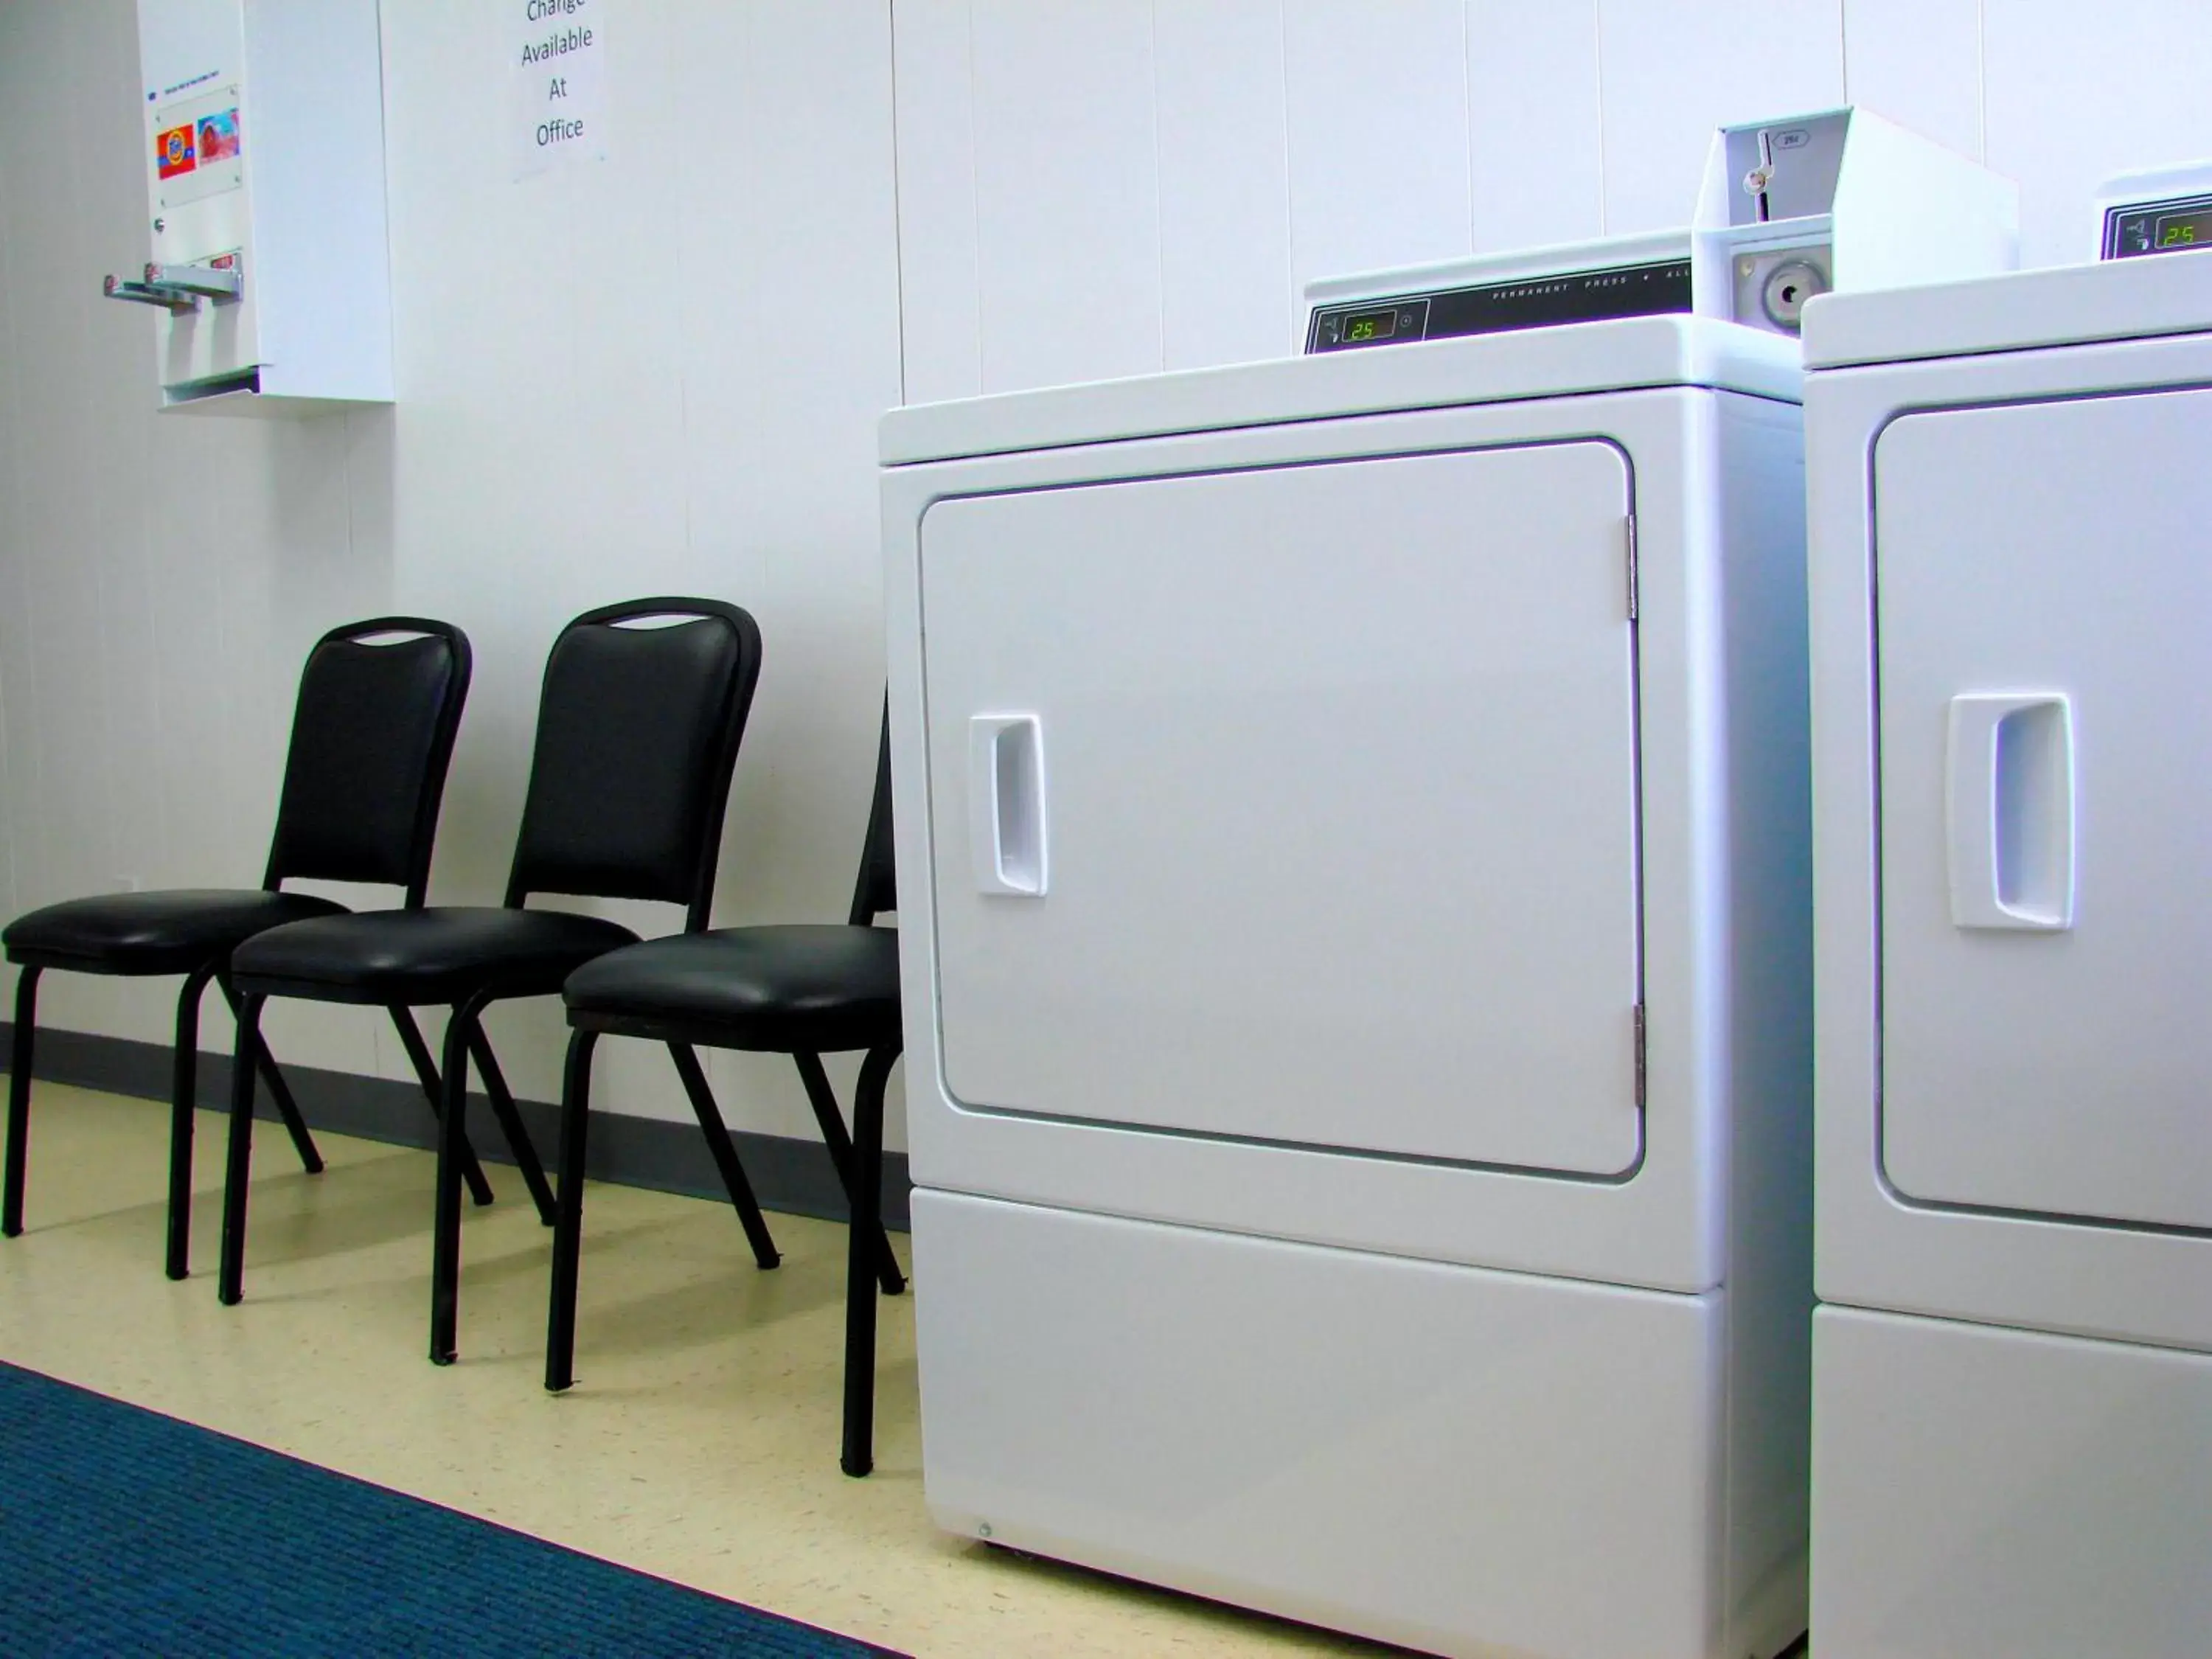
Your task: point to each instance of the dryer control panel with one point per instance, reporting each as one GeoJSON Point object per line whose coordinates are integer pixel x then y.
{"type": "Point", "coordinates": [1641, 289]}
{"type": "Point", "coordinates": [2166, 209]}
{"type": "Point", "coordinates": [1638, 275]}
{"type": "Point", "coordinates": [2170, 227]}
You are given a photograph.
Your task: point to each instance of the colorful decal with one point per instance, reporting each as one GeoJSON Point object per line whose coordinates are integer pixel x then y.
{"type": "Point", "coordinates": [219, 140]}
{"type": "Point", "coordinates": [173, 152]}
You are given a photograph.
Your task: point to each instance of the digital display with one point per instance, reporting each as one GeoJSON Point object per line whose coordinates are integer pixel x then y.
{"type": "Point", "coordinates": [2177, 225]}
{"type": "Point", "coordinates": [1659, 287]}
{"type": "Point", "coordinates": [2184, 229]}
{"type": "Point", "coordinates": [1370, 325]}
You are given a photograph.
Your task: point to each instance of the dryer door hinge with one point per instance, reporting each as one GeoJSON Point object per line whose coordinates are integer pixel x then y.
{"type": "Point", "coordinates": [1639, 1056]}
{"type": "Point", "coordinates": [1631, 522]}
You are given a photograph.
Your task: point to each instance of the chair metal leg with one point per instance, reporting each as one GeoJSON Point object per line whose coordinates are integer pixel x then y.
{"type": "Point", "coordinates": [511, 1125]}
{"type": "Point", "coordinates": [19, 1102]}
{"type": "Point", "coordinates": [426, 1073]}
{"type": "Point", "coordinates": [725, 1153]}
{"type": "Point", "coordinates": [446, 1220]}
{"type": "Point", "coordinates": [303, 1143]}
{"type": "Point", "coordinates": [287, 1109]}
{"type": "Point", "coordinates": [860, 1261]}
{"type": "Point", "coordinates": [569, 1221]}
{"type": "Point", "coordinates": [823, 1099]}
{"type": "Point", "coordinates": [184, 1089]}
{"type": "Point", "coordinates": [230, 1285]}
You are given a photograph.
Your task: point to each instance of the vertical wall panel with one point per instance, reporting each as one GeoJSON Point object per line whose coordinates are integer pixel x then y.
{"type": "Point", "coordinates": [1067, 199]}
{"type": "Point", "coordinates": [2076, 93]}
{"type": "Point", "coordinates": [936, 136]}
{"type": "Point", "coordinates": [115, 547]}
{"type": "Point", "coordinates": [731, 451]}
{"type": "Point", "coordinates": [1224, 180]}
{"type": "Point", "coordinates": [660, 372]}
{"type": "Point", "coordinates": [1536, 137]}
{"type": "Point", "coordinates": [1377, 106]}
{"type": "Point", "coordinates": [805, 551]}
{"type": "Point", "coordinates": [1672, 73]}
{"type": "Point", "coordinates": [18, 717]}
{"type": "Point", "coordinates": [72, 842]}
{"type": "Point", "coordinates": [157, 568]}
{"type": "Point", "coordinates": [624, 426]}
{"type": "Point", "coordinates": [1919, 63]}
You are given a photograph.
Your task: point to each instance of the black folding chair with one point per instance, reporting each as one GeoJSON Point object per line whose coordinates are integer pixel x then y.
{"type": "Point", "coordinates": [638, 724]}
{"type": "Point", "coordinates": [803, 991]}
{"type": "Point", "coordinates": [372, 733]}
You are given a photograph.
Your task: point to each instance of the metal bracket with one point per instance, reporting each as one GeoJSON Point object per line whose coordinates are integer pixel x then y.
{"type": "Point", "coordinates": [148, 294]}
{"type": "Point", "coordinates": [216, 282]}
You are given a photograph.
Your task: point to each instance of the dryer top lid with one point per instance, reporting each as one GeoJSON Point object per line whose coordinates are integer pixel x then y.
{"type": "Point", "coordinates": [1631, 354]}
{"type": "Point", "coordinates": [2065, 305]}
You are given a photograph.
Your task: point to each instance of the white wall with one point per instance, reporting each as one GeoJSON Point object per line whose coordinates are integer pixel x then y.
{"type": "Point", "coordinates": [657, 373]}
{"type": "Point", "coordinates": [602, 392]}
{"type": "Point", "coordinates": [1102, 187]}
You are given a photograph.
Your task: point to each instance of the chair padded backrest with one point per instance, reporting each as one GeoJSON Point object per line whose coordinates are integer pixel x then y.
{"type": "Point", "coordinates": [372, 737]}
{"type": "Point", "coordinates": [876, 891]}
{"type": "Point", "coordinates": [637, 734]}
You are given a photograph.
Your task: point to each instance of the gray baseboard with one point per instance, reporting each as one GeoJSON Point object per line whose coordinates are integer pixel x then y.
{"type": "Point", "coordinates": [791, 1175]}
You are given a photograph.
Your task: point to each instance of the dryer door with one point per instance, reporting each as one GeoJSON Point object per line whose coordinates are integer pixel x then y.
{"type": "Point", "coordinates": [1294, 805]}
{"type": "Point", "coordinates": [2044, 657]}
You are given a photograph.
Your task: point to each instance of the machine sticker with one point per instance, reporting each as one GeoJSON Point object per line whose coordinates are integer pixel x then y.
{"type": "Point", "coordinates": [199, 147]}
{"type": "Point", "coordinates": [172, 151]}
{"type": "Point", "coordinates": [218, 138]}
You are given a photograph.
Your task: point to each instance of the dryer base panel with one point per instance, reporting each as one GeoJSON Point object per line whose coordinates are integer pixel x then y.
{"type": "Point", "coordinates": [1985, 1493]}
{"type": "Point", "coordinates": [1465, 1461]}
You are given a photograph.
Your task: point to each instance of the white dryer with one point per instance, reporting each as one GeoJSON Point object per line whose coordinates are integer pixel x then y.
{"type": "Point", "coordinates": [1354, 813]}
{"type": "Point", "coordinates": [2010, 487]}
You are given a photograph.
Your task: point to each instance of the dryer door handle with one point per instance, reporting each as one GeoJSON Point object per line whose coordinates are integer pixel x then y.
{"type": "Point", "coordinates": [2010, 794]}
{"type": "Point", "coordinates": [1005, 804]}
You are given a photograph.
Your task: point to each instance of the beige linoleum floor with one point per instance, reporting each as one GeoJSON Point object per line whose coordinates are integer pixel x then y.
{"type": "Point", "coordinates": [700, 1443]}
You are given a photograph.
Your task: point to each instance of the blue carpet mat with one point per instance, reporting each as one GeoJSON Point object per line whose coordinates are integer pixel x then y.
{"type": "Point", "coordinates": [123, 1532]}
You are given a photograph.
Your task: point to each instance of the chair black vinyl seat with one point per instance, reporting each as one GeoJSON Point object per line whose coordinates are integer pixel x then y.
{"type": "Point", "coordinates": [163, 932]}
{"type": "Point", "coordinates": [443, 954]}
{"type": "Point", "coordinates": [820, 989]}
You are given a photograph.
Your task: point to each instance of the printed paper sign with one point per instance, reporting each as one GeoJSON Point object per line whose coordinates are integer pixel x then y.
{"type": "Point", "coordinates": [557, 96]}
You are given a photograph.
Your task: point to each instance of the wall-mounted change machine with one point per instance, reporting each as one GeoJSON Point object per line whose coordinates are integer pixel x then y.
{"type": "Point", "coordinates": [266, 263]}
